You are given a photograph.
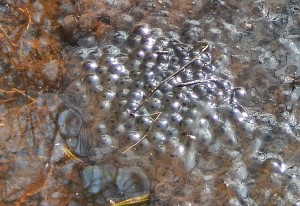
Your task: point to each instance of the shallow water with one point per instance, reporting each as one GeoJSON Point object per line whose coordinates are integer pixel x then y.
{"type": "Point", "coordinates": [95, 112]}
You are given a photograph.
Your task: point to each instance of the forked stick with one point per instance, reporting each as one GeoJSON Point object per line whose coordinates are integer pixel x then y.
{"type": "Point", "coordinates": [168, 78]}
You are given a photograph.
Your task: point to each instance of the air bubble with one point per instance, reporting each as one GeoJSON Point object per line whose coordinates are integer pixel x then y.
{"type": "Point", "coordinates": [69, 122]}
{"type": "Point", "coordinates": [163, 191]}
{"type": "Point", "coordinates": [273, 165]}
{"type": "Point", "coordinates": [132, 181]}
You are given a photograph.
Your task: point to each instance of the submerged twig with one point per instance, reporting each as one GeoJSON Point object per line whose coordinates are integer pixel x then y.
{"type": "Point", "coordinates": [6, 35]}
{"type": "Point", "coordinates": [143, 137]}
{"type": "Point", "coordinates": [68, 153]}
{"type": "Point", "coordinates": [15, 90]}
{"type": "Point", "coordinates": [134, 200]}
{"type": "Point", "coordinates": [168, 78]}
{"type": "Point", "coordinates": [29, 17]}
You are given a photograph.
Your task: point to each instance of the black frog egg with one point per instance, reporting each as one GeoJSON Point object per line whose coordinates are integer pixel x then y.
{"type": "Point", "coordinates": [139, 54]}
{"type": "Point", "coordinates": [133, 137]}
{"type": "Point", "coordinates": [162, 123]}
{"type": "Point", "coordinates": [76, 88]}
{"type": "Point", "coordinates": [187, 123]}
{"type": "Point", "coordinates": [148, 43]}
{"type": "Point", "coordinates": [106, 140]}
{"type": "Point", "coordinates": [119, 70]}
{"type": "Point", "coordinates": [133, 41]}
{"type": "Point", "coordinates": [175, 106]}
{"type": "Point", "coordinates": [138, 84]}
{"type": "Point", "coordinates": [200, 90]}
{"type": "Point", "coordinates": [157, 94]}
{"type": "Point", "coordinates": [224, 85]}
{"type": "Point", "coordinates": [163, 58]}
{"type": "Point", "coordinates": [144, 121]}
{"type": "Point", "coordinates": [208, 69]}
{"type": "Point", "coordinates": [172, 133]}
{"type": "Point", "coordinates": [143, 147]}
{"type": "Point", "coordinates": [108, 60]}
{"type": "Point", "coordinates": [92, 79]}
{"type": "Point", "coordinates": [137, 96]}
{"type": "Point", "coordinates": [206, 58]}
{"type": "Point", "coordinates": [151, 57]}
{"type": "Point", "coordinates": [118, 38]}
{"type": "Point", "coordinates": [197, 65]}
{"type": "Point", "coordinates": [165, 88]}
{"type": "Point", "coordinates": [160, 149]}
{"type": "Point", "coordinates": [133, 66]}
{"type": "Point", "coordinates": [109, 95]}
{"type": "Point", "coordinates": [132, 105]}
{"type": "Point", "coordinates": [113, 78]}
{"type": "Point", "coordinates": [199, 75]}
{"type": "Point", "coordinates": [110, 50]}
{"type": "Point", "coordinates": [142, 30]}
{"type": "Point", "coordinates": [155, 104]}
{"type": "Point", "coordinates": [89, 66]}
{"type": "Point", "coordinates": [176, 118]}
{"type": "Point", "coordinates": [157, 32]}
{"type": "Point", "coordinates": [101, 128]}
{"type": "Point", "coordinates": [125, 83]}
{"type": "Point", "coordinates": [158, 137]}
{"type": "Point", "coordinates": [152, 83]}
{"type": "Point", "coordinates": [239, 92]}
{"type": "Point", "coordinates": [105, 105]}
{"type": "Point", "coordinates": [148, 75]}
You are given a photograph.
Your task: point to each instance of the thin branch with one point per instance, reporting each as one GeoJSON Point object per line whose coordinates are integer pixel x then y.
{"type": "Point", "coordinates": [168, 78]}
{"type": "Point", "coordinates": [143, 137]}
{"type": "Point", "coordinates": [29, 17]}
{"type": "Point", "coordinates": [6, 35]}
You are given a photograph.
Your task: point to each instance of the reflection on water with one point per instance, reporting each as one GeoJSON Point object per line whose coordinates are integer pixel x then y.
{"type": "Point", "coordinates": [149, 103]}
